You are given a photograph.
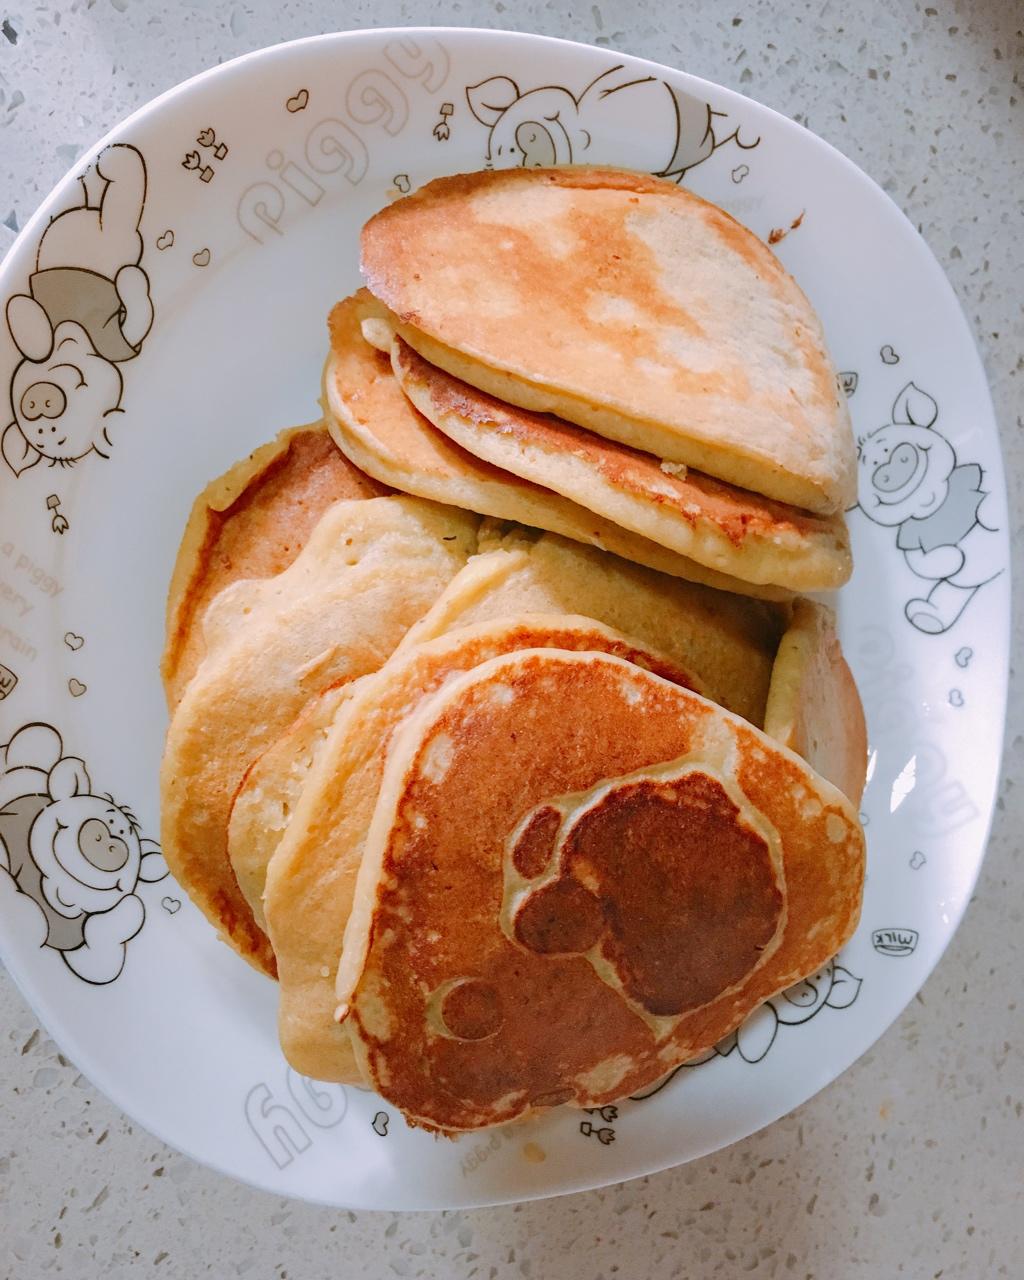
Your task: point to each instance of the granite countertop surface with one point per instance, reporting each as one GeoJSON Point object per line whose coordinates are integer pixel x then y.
{"type": "Point", "coordinates": [909, 1164]}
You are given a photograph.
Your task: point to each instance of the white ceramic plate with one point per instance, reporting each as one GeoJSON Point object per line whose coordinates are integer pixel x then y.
{"type": "Point", "coordinates": [251, 183]}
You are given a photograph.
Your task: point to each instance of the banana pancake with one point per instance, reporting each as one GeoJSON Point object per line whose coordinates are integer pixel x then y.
{"type": "Point", "coordinates": [721, 527]}
{"type": "Point", "coordinates": [378, 429]}
{"type": "Point", "coordinates": [251, 522]}
{"type": "Point", "coordinates": [579, 875]}
{"type": "Point", "coordinates": [368, 571]}
{"type": "Point", "coordinates": [312, 874]}
{"type": "Point", "coordinates": [813, 705]}
{"type": "Point", "coordinates": [627, 305]}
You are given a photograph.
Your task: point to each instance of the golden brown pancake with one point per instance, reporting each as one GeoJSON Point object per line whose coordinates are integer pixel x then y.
{"type": "Point", "coordinates": [377, 427]}
{"type": "Point", "coordinates": [311, 877]}
{"type": "Point", "coordinates": [368, 571]}
{"type": "Point", "coordinates": [251, 522]}
{"type": "Point", "coordinates": [813, 704]}
{"type": "Point", "coordinates": [729, 641]}
{"type": "Point", "coordinates": [730, 530]}
{"type": "Point", "coordinates": [627, 305]}
{"type": "Point", "coordinates": [269, 793]}
{"type": "Point", "coordinates": [579, 875]}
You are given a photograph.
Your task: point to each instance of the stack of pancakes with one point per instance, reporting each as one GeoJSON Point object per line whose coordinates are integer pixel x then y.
{"type": "Point", "coordinates": [499, 734]}
{"type": "Point", "coordinates": [611, 353]}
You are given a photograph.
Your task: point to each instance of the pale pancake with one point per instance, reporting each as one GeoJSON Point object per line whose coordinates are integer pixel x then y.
{"type": "Point", "coordinates": [578, 876]}
{"type": "Point", "coordinates": [269, 793]}
{"type": "Point", "coordinates": [379, 430]}
{"type": "Point", "coordinates": [627, 305]}
{"type": "Point", "coordinates": [251, 522]}
{"type": "Point", "coordinates": [368, 571]}
{"type": "Point", "coordinates": [813, 704]}
{"type": "Point", "coordinates": [311, 877]}
{"type": "Point", "coordinates": [730, 530]}
{"type": "Point", "coordinates": [730, 642]}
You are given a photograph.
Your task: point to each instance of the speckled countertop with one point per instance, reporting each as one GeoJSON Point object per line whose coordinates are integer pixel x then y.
{"type": "Point", "coordinates": [909, 1165]}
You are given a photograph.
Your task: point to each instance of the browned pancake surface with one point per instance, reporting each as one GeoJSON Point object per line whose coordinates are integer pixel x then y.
{"type": "Point", "coordinates": [379, 428]}
{"type": "Point", "coordinates": [251, 523]}
{"type": "Point", "coordinates": [312, 876]}
{"type": "Point", "coordinates": [686, 510]}
{"type": "Point", "coordinates": [460, 1024]}
{"type": "Point", "coordinates": [626, 304]}
{"type": "Point", "coordinates": [658, 861]}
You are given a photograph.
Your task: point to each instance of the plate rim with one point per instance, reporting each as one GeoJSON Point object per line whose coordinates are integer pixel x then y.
{"type": "Point", "coordinates": [995, 476]}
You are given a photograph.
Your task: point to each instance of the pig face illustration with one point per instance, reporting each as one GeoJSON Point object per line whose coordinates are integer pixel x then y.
{"type": "Point", "coordinates": [904, 473]}
{"type": "Point", "coordinates": [550, 125]}
{"type": "Point", "coordinates": [540, 128]}
{"type": "Point", "coordinates": [87, 311]}
{"type": "Point", "coordinates": [799, 1003]}
{"type": "Point", "coordinates": [63, 401]}
{"type": "Point", "coordinates": [73, 857]}
{"type": "Point", "coordinates": [832, 986]}
{"type": "Point", "coordinates": [87, 848]}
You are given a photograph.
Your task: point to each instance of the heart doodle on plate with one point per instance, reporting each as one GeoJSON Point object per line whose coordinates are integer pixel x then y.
{"type": "Point", "coordinates": [76, 688]}
{"type": "Point", "coordinates": [171, 905]}
{"type": "Point", "coordinates": [165, 239]}
{"type": "Point", "coordinates": [888, 355]}
{"type": "Point", "coordinates": [202, 258]}
{"type": "Point", "coordinates": [963, 656]}
{"type": "Point", "coordinates": [380, 1124]}
{"type": "Point", "coordinates": [299, 102]}
{"type": "Point", "coordinates": [72, 641]}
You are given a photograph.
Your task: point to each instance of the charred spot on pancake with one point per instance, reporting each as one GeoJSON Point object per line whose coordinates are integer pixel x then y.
{"type": "Point", "coordinates": [472, 1010]}
{"type": "Point", "coordinates": [536, 840]}
{"type": "Point", "coordinates": [561, 918]}
{"type": "Point", "coordinates": [689, 889]}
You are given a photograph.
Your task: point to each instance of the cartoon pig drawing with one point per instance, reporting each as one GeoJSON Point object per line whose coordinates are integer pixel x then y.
{"type": "Point", "coordinates": [87, 311]}
{"type": "Point", "coordinates": [78, 856]}
{"type": "Point", "coordinates": [553, 126]}
{"type": "Point", "coordinates": [910, 481]}
{"type": "Point", "coordinates": [832, 987]}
